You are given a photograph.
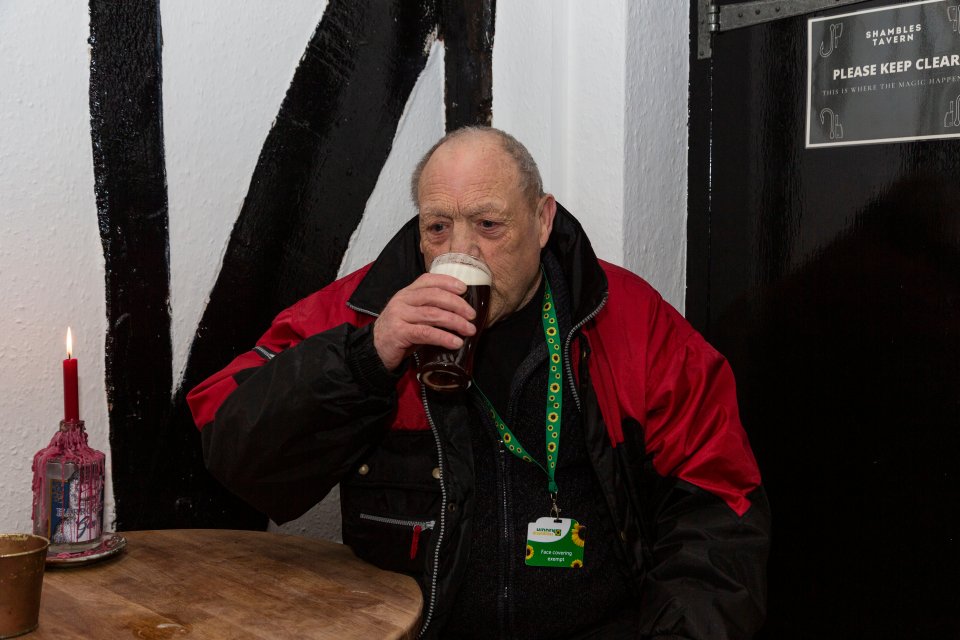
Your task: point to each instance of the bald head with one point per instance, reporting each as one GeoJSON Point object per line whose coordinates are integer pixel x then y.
{"type": "Point", "coordinates": [527, 174]}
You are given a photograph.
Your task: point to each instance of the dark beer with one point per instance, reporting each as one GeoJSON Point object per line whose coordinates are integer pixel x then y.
{"type": "Point", "coordinates": [451, 370]}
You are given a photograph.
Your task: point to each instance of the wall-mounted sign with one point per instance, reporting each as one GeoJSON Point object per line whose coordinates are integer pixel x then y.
{"type": "Point", "coordinates": [884, 75]}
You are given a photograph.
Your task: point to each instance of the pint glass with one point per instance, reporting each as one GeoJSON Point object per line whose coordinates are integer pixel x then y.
{"type": "Point", "coordinates": [450, 370]}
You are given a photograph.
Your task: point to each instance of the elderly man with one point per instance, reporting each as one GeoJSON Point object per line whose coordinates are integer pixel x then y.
{"type": "Point", "coordinates": [653, 483]}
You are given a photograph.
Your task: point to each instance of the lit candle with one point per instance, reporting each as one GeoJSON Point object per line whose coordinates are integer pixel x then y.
{"type": "Point", "coordinates": [71, 402]}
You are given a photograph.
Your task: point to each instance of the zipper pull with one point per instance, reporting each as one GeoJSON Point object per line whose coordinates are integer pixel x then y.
{"type": "Point", "coordinates": [415, 541]}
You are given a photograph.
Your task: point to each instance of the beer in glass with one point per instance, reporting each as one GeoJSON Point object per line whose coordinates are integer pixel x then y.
{"type": "Point", "coordinates": [451, 369]}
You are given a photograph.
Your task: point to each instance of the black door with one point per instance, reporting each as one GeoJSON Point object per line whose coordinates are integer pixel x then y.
{"type": "Point", "coordinates": [830, 278]}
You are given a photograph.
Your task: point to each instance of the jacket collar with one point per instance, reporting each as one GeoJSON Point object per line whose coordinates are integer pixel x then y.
{"type": "Point", "coordinates": [401, 262]}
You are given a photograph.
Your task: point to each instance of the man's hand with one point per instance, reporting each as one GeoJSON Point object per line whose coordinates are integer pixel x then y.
{"type": "Point", "coordinates": [425, 312]}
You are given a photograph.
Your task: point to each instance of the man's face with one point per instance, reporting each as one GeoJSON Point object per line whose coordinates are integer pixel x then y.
{"type": "Point", "coordinates": [470, 202]}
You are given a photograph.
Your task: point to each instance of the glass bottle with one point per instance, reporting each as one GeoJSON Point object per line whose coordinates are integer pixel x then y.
{"type": "Point", "coordinates": [68, 491]}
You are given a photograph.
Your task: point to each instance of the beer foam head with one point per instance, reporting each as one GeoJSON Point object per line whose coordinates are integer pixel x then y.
{"type": "Point", "coordinates": [465, 268]}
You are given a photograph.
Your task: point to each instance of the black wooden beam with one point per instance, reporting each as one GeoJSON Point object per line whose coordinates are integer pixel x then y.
{"type": "Point", "coordinates": [130, 183]}
{"type": "Point", "coordinates": [697, 307]}
{"type": "Point", "coordinates": [467, 29]}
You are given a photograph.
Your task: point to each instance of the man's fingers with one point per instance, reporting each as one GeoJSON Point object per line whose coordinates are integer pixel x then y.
{"type": "Point", "coordinates": [437, 317]}
{"type": "Point", "coordinates": [425, 334]}
{"type": "Point", "coordinates": [439, 281]}
{"type": "Point", "coordinates": [394, 338]}
{"type": "Point", "coordinates": [436, 298]}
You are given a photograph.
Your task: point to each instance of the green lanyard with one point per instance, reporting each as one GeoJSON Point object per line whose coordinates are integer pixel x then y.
{"type": "Point", "coordinates": [554, 400]}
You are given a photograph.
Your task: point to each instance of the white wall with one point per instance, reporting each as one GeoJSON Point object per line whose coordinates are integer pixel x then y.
{"type": "Point", "coordinates": [655, 145]}
{"type": "Point", "coordinates": [597, 91]}
{"type": "Point", "coordinates": [558, 86]}
{"type": "Point", "coordinates": [214, 127]}
{"type": "Point", "coordinates": [51, 260]}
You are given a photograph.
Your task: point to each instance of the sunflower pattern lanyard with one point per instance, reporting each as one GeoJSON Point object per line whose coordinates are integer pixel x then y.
{"type": "Point", "coordinates": [552, 541]}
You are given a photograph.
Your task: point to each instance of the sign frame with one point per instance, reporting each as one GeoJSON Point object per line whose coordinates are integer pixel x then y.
{"type": "Point", "coordinates": [835, 132]}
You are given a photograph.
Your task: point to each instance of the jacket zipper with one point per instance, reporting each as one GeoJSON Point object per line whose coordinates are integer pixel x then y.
{"type": "Point", "coordinates": [431, 605]}
{"type": "Point", "coordinates": [443, 510]}
{"type": "Point", "coordinates": [504, 599]}
{"type": "Point", "coordinates": [423, 524]}
{"type": "Point", "coordinates": [566, 349]}
{"type": "Point", "coordinates": [417, 526]}
{"type": "Point", "coordinates": [361, 310]}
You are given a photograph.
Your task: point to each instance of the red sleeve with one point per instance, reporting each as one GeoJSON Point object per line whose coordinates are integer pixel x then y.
{"type": "Point", "coordinates": [315, 313]}
{"type": "Point", "coordinates": [206, 398]}
{"type": "Point", "coordinates": [679, 388]}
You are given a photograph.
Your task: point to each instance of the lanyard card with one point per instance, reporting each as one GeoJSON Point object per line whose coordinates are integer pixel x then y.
{"type": "Point", "coordinates": [555, 542]}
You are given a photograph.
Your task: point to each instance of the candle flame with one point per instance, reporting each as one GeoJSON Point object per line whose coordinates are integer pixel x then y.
{"type": "Point", "coordinates": [69, 344]}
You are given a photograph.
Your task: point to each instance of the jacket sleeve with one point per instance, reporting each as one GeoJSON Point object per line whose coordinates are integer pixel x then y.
{"type": "Point", "coordinates": [707, 578]}
{"type": "Point", "coordinates": [669, 402]}
{"type": "Point", "coordinates": [707, 517]}
{"type": "Point", "coordinates": [285, 421]}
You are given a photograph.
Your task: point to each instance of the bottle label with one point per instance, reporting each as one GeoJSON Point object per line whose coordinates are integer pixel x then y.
{"type": "Point", "coordinates": [76, 509]}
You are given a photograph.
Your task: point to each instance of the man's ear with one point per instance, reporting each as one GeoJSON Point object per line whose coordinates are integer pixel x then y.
{"type": "Point", "coordinates": [548, 210]}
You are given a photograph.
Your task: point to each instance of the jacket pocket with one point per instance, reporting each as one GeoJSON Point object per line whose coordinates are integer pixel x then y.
{"type": "Point", "coordinates": [398, 531]}
{"type": "Point", "coordinates": [390, 503]}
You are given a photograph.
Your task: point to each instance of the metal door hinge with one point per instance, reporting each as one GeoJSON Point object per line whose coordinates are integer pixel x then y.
{"type": "Point", "coordinates": [712, 18]}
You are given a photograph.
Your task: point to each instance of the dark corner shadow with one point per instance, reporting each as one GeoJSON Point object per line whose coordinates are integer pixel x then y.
{"type": "Point", "coordinates": [848, 373]}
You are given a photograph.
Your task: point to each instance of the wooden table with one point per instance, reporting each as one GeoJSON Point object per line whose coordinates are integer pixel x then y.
{"type": "Point", "coordinates": [217, 584]}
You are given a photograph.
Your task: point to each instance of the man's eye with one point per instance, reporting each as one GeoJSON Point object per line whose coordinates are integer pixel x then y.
{"type": "Point", "coordinates": [488, 224]}
{"type": "Point", "coordinates": [437, 227]}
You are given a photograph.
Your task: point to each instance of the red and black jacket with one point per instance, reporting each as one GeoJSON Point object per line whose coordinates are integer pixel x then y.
{"type": "Point", "coordinates": [312, 405]}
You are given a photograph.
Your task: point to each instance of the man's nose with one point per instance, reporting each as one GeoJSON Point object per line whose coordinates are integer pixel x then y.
{"type": "Point", "coordinates": [464, 240]}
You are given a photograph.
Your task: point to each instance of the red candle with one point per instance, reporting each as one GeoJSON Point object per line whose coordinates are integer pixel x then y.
{"type": "Point", "coordinates": [71, 401]}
